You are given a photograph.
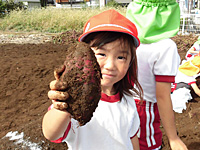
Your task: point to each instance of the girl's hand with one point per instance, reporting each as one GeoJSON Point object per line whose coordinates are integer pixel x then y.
{"type": "Point", "coordinates": [58, 95]}
{"type": "Point", "coordinates": [59, 105]}
{"type": "Point", "coordinates": [56, 87]}
{"type": "Point", "coordinates": [177, 144]}
{"type": "Point", "coordinates": [55, 122]}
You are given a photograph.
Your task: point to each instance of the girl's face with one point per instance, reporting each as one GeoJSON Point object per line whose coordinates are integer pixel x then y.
{"type": "Point", "coordinates": [114, 62]}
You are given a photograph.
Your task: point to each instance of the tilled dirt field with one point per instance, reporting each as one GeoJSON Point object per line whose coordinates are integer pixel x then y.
{"type": "Point", "coordinates": [26, 71]}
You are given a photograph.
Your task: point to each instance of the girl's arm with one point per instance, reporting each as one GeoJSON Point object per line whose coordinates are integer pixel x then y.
{"type": "Point", "coordinates": [55, 123]}
{"type": "Point", "coordinates": [193, 51]}
{"type": "Point", "coordinates": [135, 143]}
{"type": "Point", "coordinates": [195, 88]}
{"type": "Point", "coordinates": [163, 90]}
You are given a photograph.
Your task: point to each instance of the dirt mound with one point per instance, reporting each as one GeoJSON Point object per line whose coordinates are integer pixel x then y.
{"type": "Point", "coordinates": [26, 71]}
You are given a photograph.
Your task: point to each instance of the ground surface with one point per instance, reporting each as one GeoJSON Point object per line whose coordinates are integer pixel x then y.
{"type": "Point", "coordinates": [26, 71]}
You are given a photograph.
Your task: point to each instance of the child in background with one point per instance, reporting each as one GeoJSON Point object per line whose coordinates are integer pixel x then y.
{"type": "Point", "coordinates": [185, 81]}
{"type": "Point", "coordinates": [158, 62]}
{"type": "Point", "coordinates": [115, 122]}
{"type": "Point", "coordinates": [194, 50]}
{"type": "Point", "coordinates": [187, 73]}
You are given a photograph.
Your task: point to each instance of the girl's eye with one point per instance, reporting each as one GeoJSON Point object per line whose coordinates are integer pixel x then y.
{"type": "Point", "coordinates": [101, 54]}
{"type": "Point", "coordinates": [122, 57]}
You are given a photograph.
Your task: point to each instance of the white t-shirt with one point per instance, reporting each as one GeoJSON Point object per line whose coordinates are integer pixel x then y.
{"type": "Point", "coordinates": [111, 127]}
{"type": "Point", "coordinates": [156, 62]}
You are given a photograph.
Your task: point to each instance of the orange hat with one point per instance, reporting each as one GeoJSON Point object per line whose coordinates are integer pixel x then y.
{"type": "Point", "coordinates": [110, 20]}
{"type": "Point", "coordinates": [192, 67]}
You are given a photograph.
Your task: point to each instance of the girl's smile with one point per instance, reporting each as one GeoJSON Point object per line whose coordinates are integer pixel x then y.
{"type": "Point", "coordinates": [104, 75]}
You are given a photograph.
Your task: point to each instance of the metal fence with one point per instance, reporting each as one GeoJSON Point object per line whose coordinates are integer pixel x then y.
{"type": "Point", "coordinates": [190, 23]}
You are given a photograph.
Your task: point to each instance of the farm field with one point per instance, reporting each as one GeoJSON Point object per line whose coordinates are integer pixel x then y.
{"type": "Point", "coordinates": [26, 71]}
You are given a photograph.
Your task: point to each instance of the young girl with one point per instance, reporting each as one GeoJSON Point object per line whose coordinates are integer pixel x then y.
{"type": "Point", "coordinates": [115, 122]}
{"type": "Point", "coordinates": [187, 73]}
{"type": "Point", "coordinates": [185, 82]}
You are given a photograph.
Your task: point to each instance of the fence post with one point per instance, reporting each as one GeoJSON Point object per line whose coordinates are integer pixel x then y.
{"type": "Point", "coordinates": [183, 26]}
{"type": "Point", "coordinates": [102, 3]}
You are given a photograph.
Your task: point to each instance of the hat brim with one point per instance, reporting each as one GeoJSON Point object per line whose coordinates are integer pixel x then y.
{"type": "Point", "coordinates": [110, 29]}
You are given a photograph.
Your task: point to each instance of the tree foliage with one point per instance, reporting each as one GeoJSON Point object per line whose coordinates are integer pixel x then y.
{"type": "Point", "coordinates": [9, 5]}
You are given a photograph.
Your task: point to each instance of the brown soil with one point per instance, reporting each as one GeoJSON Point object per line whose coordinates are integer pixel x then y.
{"type": "Point", "coordinates": [26, 71]}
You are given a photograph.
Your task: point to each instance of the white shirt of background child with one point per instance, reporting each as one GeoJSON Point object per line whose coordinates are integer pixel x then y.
{"type": "Point", "coordinates": [160, 59]}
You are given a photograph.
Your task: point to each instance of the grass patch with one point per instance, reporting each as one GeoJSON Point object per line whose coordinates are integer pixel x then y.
{"type": "Point", "coordinates": [51, 19]}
